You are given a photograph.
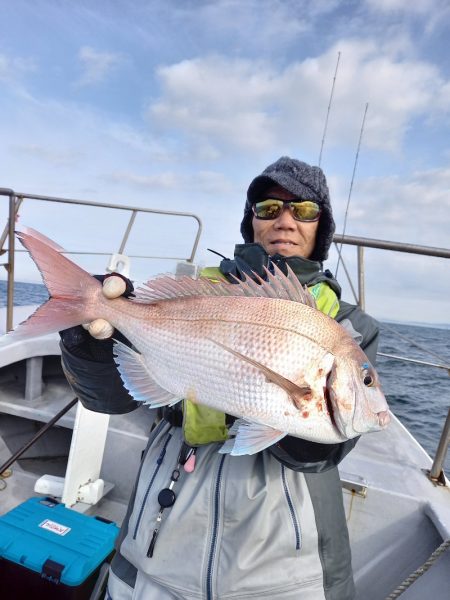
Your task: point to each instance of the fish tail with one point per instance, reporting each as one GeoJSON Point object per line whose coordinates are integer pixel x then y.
{"type": "Point", "coordinates": [73, 292]}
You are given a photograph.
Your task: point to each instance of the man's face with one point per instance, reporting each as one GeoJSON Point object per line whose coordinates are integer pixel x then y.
{"type": "Point", "coordinates": [285, 235]}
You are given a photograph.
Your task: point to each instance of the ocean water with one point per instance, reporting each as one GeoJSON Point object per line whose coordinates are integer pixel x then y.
{"type": "Point", "coordinates": [418, 395]}
{"type": "Point", "coordinates": [24, 293]}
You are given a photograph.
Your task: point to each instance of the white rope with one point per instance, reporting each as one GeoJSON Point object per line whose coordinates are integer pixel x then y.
{"type": "Point", "coordinates": [420, 571]}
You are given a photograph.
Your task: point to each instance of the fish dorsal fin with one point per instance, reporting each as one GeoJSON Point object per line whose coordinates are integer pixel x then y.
{"type": "Point", "coordinates": [288, 287]}
{"type": "Point", "coordinates": [167, 287]}
{"type": "Point", "coordinates": [277, 285]}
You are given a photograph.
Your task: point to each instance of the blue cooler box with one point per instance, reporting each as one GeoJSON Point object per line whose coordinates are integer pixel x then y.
{"type": "Point", "coordinates": [49, 551]}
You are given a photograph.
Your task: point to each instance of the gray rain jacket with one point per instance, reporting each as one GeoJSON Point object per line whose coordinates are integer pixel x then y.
{"type": "Point", "coordinates": [270, 525]}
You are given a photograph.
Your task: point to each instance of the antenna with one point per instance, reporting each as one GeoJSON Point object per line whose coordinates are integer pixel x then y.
{"type": "Point", "coordinates": [351, 187]}
{"type": "Point", "coordinates": [329, 108]}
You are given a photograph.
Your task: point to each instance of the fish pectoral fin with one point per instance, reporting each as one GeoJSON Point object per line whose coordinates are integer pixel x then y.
{"type": "Point", "coordinates": [295, 392]}
{"type": "Point", "coordinates": [138, 380]}
{"type": "Point", "coordinates": [250, 438]}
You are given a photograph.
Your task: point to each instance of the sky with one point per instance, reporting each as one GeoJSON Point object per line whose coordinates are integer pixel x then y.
{"type": "Point", "coordinates": [178, 105]}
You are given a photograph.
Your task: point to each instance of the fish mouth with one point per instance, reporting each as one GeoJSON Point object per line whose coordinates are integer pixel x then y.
{"type": "Point", "coordinates": [342, 422]}
{"type": "Point", "coordinates": [329, 404]}
{"type": "Point", "coordinates": [384, 418]}
{"type": "Point", "coordinates": [332, 409]}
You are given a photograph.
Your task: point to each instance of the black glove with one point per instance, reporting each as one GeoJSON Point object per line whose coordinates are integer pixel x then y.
{"type": "Point", "coordinates": [80, 342]}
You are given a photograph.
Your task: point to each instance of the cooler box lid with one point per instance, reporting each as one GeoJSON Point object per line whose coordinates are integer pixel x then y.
{"type": "Point", "coordinates": [55, 541]}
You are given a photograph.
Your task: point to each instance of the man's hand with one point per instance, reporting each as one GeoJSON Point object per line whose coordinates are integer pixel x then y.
{"type": "Point", "coordinates": [113, 286]}
{"type": "Point", "coordinates": [92, 341]}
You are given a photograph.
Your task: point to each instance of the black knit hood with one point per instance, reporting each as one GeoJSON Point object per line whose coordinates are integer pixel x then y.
{"type": "Point", "coordinates": [302, 180]}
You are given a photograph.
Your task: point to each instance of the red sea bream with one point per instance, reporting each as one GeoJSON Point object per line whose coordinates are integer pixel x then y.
{"type": "Point", "coordinates": [260, 351]}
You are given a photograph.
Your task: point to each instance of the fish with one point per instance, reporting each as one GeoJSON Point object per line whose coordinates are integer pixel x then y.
{"type": "Point", "coordinates": [256, 349]}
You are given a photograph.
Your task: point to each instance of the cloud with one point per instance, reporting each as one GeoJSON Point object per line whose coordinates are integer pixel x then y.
{"type": "Point", "coordinates": [261, 22]}
{"type": "Point", "coordinates": [51, 155]}
{"type": "Point", "coordinates": [253, 106]}
{"type": "Point", "coordinates": [413, 210]}
{"type": "Point", "coordinates": [430, 15]}
{"type": "Point", "coordinates": [13, 72]}
{"type": "Point", "coordinates": [206, 182]}
{"type": "Point", "coordinates": [12, 68]}
{"type": "Point", "coordinates": [216, 97]}
{"type": "Point", "coordinates": [97, 66]}
{"type": "Point", "coordinates": [253, 27]}
{"type": "Point", "coordinates": [419, 7]}
{"type": "Point", "coordinates": [397, 90]}
{"type": "Point", "coordinates": [159, 181]}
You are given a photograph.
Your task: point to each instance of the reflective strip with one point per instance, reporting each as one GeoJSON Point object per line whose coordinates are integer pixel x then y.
{"type": "Point", "coordinates": [213, 274]}
{"type": "Point", "coordinates": [326, 299]}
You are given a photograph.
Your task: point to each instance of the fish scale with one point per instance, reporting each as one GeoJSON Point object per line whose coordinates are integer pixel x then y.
{"type": "Point", "coordinates": [218, 378]}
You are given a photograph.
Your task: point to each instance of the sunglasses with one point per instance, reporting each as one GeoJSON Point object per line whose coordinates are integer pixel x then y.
{"type": "Point", "coordinates": [302, 210]}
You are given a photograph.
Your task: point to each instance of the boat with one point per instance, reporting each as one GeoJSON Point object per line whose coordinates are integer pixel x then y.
{"type": "Point", "coordinates": [396, 497]}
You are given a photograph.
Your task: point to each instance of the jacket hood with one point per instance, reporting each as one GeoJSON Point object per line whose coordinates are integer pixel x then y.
{"type": "Point", "coordinates": [302, 180]}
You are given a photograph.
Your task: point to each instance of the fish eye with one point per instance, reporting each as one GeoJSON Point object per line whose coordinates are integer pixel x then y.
{"type": "Point", "coordinates": [368, 380]}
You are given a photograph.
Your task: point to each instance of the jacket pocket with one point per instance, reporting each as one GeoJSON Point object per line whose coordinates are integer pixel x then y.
{"type": "Point", "coordinates": [292, 511]}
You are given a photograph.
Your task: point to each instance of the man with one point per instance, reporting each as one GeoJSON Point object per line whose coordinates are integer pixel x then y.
{"type": "Point", "coordinates": [270, 525]}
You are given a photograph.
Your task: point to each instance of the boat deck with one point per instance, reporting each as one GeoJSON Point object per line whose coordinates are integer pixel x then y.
{"type": "Point", "coordinates": [402, 518]}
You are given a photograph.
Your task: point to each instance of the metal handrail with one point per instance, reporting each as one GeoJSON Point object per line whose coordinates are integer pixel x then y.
{"type": "Point", "coordinates": [436, 473]}
{"type": "Point", "coordinates": [16, 198]}
{"type": "Point", "coordinates": [352, 240]}
{"type": "Point", "coordinates": [362, 243]}
{"type": "Point", "coordinates": [414, 360]}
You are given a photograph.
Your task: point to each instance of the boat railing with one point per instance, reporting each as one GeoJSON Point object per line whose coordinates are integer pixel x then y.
{"type": "Point", "coordinates": [15, 201]}
{"type": "Point", "coordinates": [361, 243]}
{"type": "Point", "coordinates": [90, 429]}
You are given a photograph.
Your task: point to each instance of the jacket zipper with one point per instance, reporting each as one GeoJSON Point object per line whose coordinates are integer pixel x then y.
{"type": "Point", "coordinates": [155, 473]}
{"type": "Point", "coordinates": [295, 522]}
{"type": "Point", "coordinates": [213, 545]}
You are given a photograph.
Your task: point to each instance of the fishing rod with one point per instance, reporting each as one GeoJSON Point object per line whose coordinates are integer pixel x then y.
{"type": "Point", "coordinates": [36, 437]}
{"type": "Point", "coordinates": [320, 160]}
{"type": "Point", "coordinates": [339, 250]}
{"type": "Point", "coordinates": [328, 110]}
